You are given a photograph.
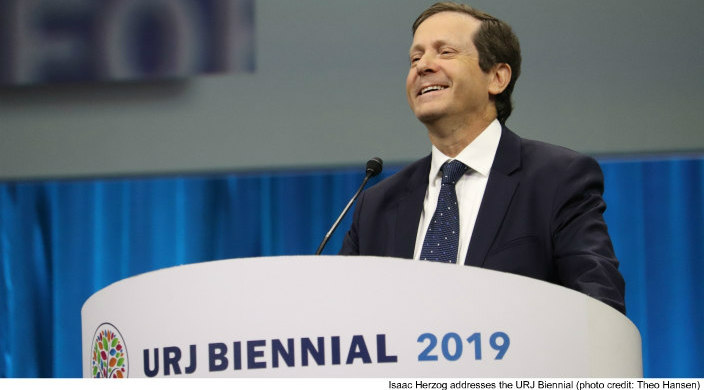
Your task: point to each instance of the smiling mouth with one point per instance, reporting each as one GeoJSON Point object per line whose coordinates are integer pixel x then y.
{"type": "Point", "coordinates": [431, 88]}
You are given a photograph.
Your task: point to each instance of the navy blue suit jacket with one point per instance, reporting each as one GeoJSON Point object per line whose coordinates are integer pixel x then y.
{"type": "Point", "coordinates": [541, 217]}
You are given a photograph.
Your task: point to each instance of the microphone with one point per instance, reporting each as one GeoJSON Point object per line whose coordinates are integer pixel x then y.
{"type": "Point", "coordinates": [374, 167]}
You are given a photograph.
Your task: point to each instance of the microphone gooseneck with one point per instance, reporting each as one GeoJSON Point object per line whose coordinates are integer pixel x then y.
{"type": "Point", "coordinates": [374, 167]}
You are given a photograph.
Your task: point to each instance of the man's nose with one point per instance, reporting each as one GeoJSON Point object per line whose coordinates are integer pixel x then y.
{"type": "Point", "coordinates": [426, 64]}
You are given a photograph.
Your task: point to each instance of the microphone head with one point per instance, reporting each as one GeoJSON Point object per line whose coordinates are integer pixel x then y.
{"type": "Point", "coordinates": [374, 166]}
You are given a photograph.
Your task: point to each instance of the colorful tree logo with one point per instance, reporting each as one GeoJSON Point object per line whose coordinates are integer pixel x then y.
{"type": "Point", "coordinates": [108, 355]}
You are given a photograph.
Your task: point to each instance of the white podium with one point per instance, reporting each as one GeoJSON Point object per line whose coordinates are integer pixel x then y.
{"type": "Point", "coordinates": [334, 316]}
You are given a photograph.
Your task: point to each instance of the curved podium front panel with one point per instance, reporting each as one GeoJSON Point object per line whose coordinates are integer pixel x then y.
{"type": "Point", "coordinates": [335, 316]}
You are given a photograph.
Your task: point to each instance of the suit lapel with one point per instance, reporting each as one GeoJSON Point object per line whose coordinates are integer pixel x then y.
{"type": "Point", "coordinates": [408, 211]}
{"type": "Point", "coordinates": [497, 197]}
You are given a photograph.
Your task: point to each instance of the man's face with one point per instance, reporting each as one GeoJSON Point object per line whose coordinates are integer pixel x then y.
{"type": "Point", "coordinates": [445, 81]}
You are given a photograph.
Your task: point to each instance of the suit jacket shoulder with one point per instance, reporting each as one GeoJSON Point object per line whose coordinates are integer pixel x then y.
{"type": "Point", "coordinates": [386, 215]}
{"type": "Point", "coordinates": [401, 182]}
{"type": "Point", "coordinates": [542, 216]}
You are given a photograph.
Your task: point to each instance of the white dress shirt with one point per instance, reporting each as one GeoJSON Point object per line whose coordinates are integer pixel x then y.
{"type": "Point", "coordinates": [478, 156]}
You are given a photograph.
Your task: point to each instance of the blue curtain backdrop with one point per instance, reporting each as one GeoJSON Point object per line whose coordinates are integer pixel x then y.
{"type": "Point", "coordinates": [62, 240]}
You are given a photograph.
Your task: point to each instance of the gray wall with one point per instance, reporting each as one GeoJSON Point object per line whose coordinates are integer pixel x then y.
{"type": "Point", "coordinates": [599, 76]}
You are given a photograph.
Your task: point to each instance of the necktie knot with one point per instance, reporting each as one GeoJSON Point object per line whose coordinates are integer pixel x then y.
{"type": "Point", "coordinates": [452, 171]}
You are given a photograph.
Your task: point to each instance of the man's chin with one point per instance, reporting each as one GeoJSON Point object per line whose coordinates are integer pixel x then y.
{"type": "Point", "coordinates": [429, 117]}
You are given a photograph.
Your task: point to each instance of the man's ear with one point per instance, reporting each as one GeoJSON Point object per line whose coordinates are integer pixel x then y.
{"type": "Point", "coordinates": [500, 77]}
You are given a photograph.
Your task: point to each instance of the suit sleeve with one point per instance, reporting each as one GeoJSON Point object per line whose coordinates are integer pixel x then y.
{"type": "Point", "coordinates": [583, 253]}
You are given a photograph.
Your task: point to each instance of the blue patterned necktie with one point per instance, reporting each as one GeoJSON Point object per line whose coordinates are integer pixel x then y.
{"type": "Point", "coordinates": [442, 238]}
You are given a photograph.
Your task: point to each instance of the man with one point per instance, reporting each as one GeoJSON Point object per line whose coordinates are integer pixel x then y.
{"type": "Point", "coordinates": [486, 197]}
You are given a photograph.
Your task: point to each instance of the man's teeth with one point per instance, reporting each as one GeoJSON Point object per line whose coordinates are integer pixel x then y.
{"type": "Point", "coordinates": [432, 88]}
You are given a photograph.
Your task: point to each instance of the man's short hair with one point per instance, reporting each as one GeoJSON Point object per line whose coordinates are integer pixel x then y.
{"type": "Point", "coordinates": [495, 42]}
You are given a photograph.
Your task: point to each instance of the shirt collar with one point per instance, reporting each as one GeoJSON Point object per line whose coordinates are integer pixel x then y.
{"type": "Point", "coordinates": [478, 155]}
